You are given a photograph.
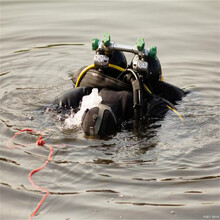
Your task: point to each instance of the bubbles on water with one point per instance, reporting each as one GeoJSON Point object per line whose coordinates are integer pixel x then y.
{"type": "Point", "coordinates": [89, 101]}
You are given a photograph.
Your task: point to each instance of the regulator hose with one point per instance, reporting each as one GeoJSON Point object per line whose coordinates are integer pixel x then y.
{"type": "Point", "coordinates": [137, 96]}
{"type": "Point", "coordinates": [93, 66]}
{"type": "Point", "coordinates": [82, 73]}
{"type": "Point", "coordinates": [169, 105]}
{"type": "Point", "coordinates": [137, 90]}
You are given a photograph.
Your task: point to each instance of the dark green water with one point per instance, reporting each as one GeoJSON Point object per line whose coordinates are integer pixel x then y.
{"type": "Point", "coordinates": [167, 172]}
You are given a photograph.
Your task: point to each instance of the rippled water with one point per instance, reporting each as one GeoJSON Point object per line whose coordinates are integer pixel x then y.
{"type": "Point", "coordinates": [154, 172]}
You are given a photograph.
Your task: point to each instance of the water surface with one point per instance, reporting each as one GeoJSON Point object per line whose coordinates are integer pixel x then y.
{"type": "Point", "coordinates": [166, 170]}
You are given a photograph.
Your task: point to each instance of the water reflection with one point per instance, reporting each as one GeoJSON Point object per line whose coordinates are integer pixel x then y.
{"type": "Point", "coordinates": [159, 169]}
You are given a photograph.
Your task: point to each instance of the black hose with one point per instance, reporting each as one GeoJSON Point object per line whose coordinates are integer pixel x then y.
{"type": "Point", "coordinates": [137, 96]}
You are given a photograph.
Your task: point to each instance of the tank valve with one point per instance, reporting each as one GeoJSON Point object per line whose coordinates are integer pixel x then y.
{"type": "Point", "coordinates": [95, 43]}
{"type": "Point", "coordinates": [106, 39]}
{"type": "Point", "coordinates": [101, 61]}
{"type": "Point", "coordinates": [153, 52]}
{"type": "Point", "coordinates": [140, 44]}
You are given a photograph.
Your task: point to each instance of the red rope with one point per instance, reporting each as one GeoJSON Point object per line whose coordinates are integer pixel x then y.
{"type": "Point", "coordinates": [38, 187]}
{"type": "Point", "coordinates": [39, 142]}
{"type": "Point", "coordinates": [17, 133]}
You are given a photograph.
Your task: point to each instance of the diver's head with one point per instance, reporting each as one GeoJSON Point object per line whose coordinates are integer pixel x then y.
{"type": "Point", "coordinates": [99, 121]}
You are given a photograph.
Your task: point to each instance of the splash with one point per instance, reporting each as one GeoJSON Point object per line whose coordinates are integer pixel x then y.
{"type": "Point", "coordinates": [88, 102]}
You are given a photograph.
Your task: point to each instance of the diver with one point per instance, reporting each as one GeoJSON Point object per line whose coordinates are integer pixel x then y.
{"type": "Point", "coordinates": [128, 91]}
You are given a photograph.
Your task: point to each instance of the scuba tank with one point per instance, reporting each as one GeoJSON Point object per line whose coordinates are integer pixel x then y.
{"type": "Point", "coordinates": [110, 69]}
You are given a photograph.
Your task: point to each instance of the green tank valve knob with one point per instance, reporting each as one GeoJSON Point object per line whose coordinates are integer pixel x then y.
{"type": "Point", "coordinates": [140, 44]}
{"type": "Point", "coordinates": [95, 43]}
{"type": "Point", "coordinates": [153, 52]}
{"type": "Point", "coordinates": [106, 39]}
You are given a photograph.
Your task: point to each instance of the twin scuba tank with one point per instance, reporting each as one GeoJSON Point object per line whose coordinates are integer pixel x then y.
{"type": "Point", "coordinates": [110, 69]}
{"type": "Point", "coordinates": [144, 62]}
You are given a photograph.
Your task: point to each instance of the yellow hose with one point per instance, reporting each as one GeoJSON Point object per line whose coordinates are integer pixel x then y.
{"type": "Point", "coordinates": [147, 88]}
{"type": "Point", "coordinates": [122, 70]}
{"type": "Point", "coordinates": [111, 66]}
{"type": "Point", "coordinates": [116, 67]}
{"type": "Point", "coordinates": [175, 111]}
{"type": "Point", "coordinates": [93, 66]}
{"type": "Point", "coordinates": [82, 73]}
{"type": "Point", "coordinates": [169, 107]}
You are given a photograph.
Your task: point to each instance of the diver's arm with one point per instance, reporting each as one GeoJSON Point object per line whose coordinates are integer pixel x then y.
{"type": "Point", "coordinates": [72, 97]}
{"type": "Point", "coordinates": [167, 91]}
{"type": "Point", "coordinates": [156, 107]}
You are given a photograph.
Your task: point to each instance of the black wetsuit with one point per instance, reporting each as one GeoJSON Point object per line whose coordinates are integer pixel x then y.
{"type": "Point", "coordinates": [121, 106]}
{"type": "Point", "coordinates": [123, 95]}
